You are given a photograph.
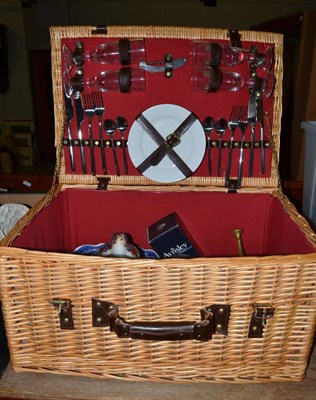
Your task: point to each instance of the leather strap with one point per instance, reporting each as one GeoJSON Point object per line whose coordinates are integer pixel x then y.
{"type": "Point", "coordinates": [168, 59]}
{"type": "Point", "coordinates": [215, 79]}
{"type": "Point", "coordinates": [216, 54]}
{"type": "Point", "coordinates": [258, 319]}
{"type": "Point", "coordinates": [158, 331]}
{"type": "Point", "coordinates": [155, 135]}
{"type": "Point", "coordinates": [124, 50]}
{"type": "Point", "coordinates": [235, 38]}
{"type": "Point", "coordinates": [125, 75]}
{"type": "Point", "coordinates": [214, 319]}
{"type": "Point", "coordinates": [172, 140]}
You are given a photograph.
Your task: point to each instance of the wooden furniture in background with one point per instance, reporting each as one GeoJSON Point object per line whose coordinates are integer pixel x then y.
{"type": "Point", "coordinates": [40, 183]}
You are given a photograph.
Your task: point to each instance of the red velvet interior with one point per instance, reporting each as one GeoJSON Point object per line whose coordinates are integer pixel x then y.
{"type": "Point", "coordinates": [80, 216]}
{"type": "Point", "coordinates": [175, 90]}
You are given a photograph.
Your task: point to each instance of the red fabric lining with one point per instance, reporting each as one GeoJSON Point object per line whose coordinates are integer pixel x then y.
{"type": "Point", "coordinates": [175, 90]}
{"type": "Point", "coordinates": [79, 216]}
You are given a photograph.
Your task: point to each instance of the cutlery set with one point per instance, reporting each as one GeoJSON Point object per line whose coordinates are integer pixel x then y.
{"type": "Point", "coordinates": [108, 146]}
{"type": "Point", "coordinates": [88, 107]}
{"type": "Point", "coordinates": [241, 119]}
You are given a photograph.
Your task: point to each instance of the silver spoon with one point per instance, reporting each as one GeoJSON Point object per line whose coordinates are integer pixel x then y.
{"type": "Point", "coordinates": [110, 128]}
{"type": "Point", "coordinates": [122, 124]}
{"type": "Point", "coordinates": [209, 126]}
{"type": "Point", "coordinates": [221, 127]}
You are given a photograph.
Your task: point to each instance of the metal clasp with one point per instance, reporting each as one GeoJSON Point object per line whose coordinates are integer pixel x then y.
{"type": "Point", "coordinates": [59, 303]}
{"type": "Point", "coordinates": [64, 307]}
{"type": "Point", "coordinates": [262, 311]}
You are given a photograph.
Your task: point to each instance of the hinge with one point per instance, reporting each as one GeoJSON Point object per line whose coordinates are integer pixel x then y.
{"type": "Point", "coordinates": [103, 183]}
{"type": "Point", "coordinates": [231, 185]}
{"type": "Point", "coordinates": [100, 29]}
{"type": "Point", "coordinates": [235, 36]}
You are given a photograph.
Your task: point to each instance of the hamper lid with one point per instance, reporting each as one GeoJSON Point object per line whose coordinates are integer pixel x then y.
{"type": "Point", "coordinates": [159, 97]}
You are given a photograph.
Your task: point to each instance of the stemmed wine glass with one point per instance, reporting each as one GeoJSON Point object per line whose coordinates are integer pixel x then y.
{"type": "Point", "coordinates": [210, 79]}
{"type": "Point", "coordinates": [123, 51]}
{"type": "Point", "coordinates": [126, 79]}
{"type": "Point", "coordinates": [220, 55]}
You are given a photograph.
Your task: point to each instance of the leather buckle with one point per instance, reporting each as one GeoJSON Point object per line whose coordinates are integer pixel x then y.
{"type": "Point", "coordinates": [172, 140]}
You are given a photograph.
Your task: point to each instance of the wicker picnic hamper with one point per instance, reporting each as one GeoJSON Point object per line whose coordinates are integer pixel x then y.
{"type": "Point", "coordinates": [214, 318]}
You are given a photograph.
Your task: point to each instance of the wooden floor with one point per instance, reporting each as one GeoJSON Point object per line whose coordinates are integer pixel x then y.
{"type": "Point", "coordinates": [38, 386]}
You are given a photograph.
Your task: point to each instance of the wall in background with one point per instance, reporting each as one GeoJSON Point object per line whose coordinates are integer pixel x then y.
{"type": "Point", "coordinates": [28, 28]}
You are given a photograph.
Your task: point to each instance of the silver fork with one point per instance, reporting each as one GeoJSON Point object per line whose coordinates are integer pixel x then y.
{"type": "Point", "coordinates": [99, 110]}
{"type": "Point", "coordinates": [89, 112]}
{"type": "Point", "coordinates": [242, 124]}
{"type": "Point", "coordinates": [233, 124]}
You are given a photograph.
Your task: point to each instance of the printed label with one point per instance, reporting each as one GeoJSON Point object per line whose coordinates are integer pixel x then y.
{"type": "Point", "coordinates": [178, 249]}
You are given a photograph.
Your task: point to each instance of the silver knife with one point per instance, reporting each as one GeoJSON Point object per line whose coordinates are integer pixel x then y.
{"type": "Point", "coordinates": [259, 112]}
{"type": "Point", "coordinates": [80, 118]}
{"type": "Point", "coordinates": [69, 117]}
{"type": "Point", "coordinates": [252, 123]}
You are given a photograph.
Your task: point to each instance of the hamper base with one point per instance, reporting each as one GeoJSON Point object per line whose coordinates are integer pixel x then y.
{"type": "Point", "coordinates": [176, 374]}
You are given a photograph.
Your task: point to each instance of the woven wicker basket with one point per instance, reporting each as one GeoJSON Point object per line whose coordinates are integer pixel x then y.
{"type": "Point", "coordinates": [268, 297]}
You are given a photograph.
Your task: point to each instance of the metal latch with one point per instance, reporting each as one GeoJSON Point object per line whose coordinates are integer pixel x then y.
{"type": "Point", "coordinates": [64, 308]}
{"type": "Point", "coordinates": [234, 37]}
{"type": "Point", "coordinates": [103, 183]}
{"type": "Point", "coordinates": [232, 185]}
{"type": "Point", "coordinates": [262, 312]}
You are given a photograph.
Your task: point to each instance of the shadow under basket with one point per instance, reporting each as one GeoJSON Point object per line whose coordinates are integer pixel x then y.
{"type": "Point", "coordinates": [268, 297]}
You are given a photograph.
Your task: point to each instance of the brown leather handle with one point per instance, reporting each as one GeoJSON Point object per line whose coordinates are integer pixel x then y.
{"type": "Point", "coordinates": [214, 319]}
{"type": "Point", "coordinates": [182, 330]}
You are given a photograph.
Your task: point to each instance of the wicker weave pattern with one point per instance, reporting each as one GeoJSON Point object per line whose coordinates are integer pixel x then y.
{"type": "Point", "coordinates": [57, 33]}
{"type": "Point", "coordinates": [146, 290]}
{"type": "Point", "coordinates": [164, 290]}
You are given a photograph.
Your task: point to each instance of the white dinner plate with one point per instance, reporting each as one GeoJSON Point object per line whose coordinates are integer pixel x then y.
{"type": "Point", "coordinates": [166, 118]}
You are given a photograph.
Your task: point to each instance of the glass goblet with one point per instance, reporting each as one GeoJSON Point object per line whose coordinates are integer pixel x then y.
{"type": "Point", "coordinates": [220, 55]}
{"type": "Point", "coordinates": [124, 80]}
{"type": "Point", "coordinates": [210, 79]}
{"type": "Point", "coordinates": [123, 51]}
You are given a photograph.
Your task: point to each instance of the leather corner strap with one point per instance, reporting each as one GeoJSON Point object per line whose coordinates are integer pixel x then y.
{"type": "Point", "coordinates": [64, 308]}
{"type": "Point", "coordinates": [214, 319]}
{"type": "Point", "coordinates": [262, 312]}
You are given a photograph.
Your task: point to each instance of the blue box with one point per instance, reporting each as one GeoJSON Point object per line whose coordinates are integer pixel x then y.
{"type": "Point", "coordinates": [170, 238]}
